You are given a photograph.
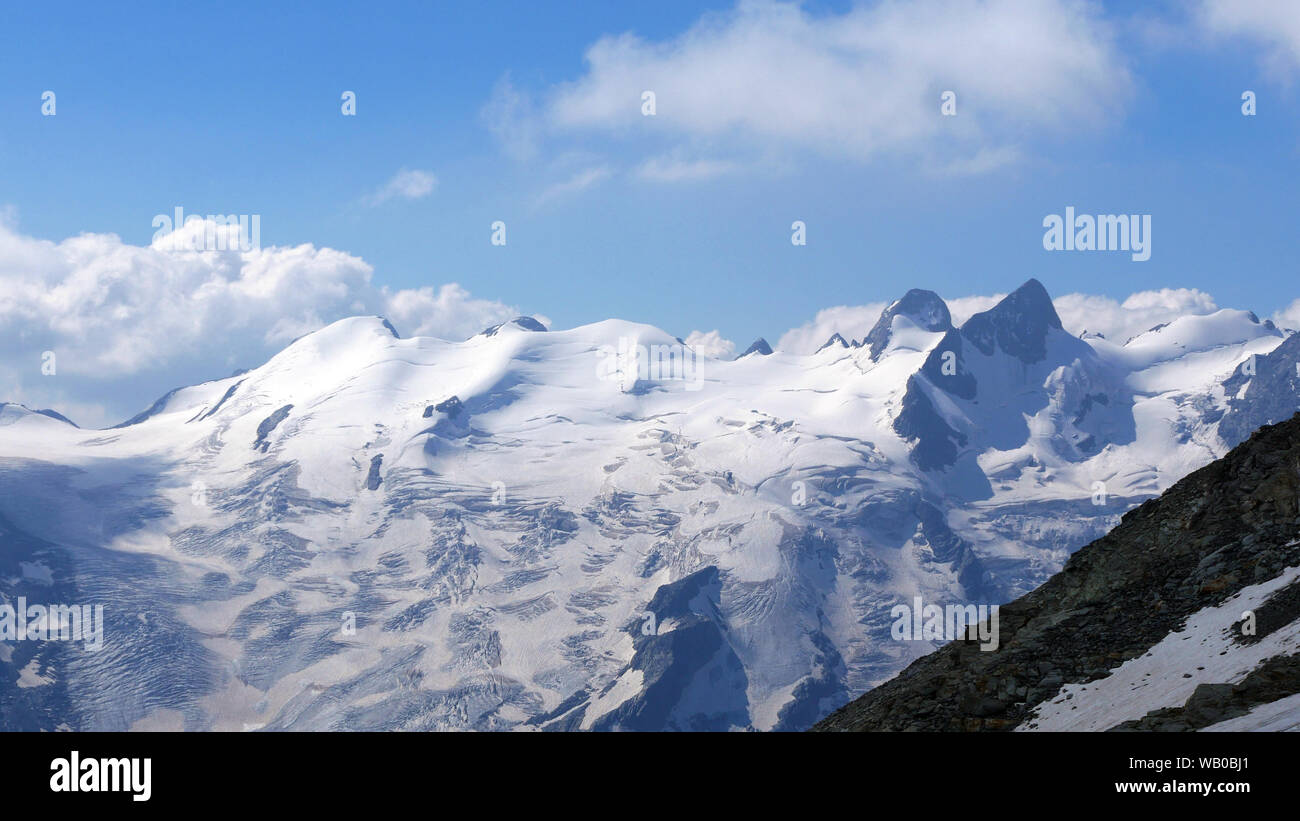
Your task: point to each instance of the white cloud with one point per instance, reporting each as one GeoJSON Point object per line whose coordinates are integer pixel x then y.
{"type": "Point", "coordinates": [964, 307]}
{"type": "Point", "coordinates": [579, 181]}
{"type": "Point", "coordinates": [1288, 317]}
{"type": "Point", "coordinates": [1141, 311]}
{"type": "Point", "coordinates": [119, 315]}
{"type": "Point", "coordinates": [407, 184]}
{"type": "Point", "coordinates": [712, 344]}
{"type": "Point", "coordinates": [448, 312]}
{"type": "Point", "coordinates": [1115, 320]}
{"type": "Point", "coordinates": [1274, 23]}
{"type": "Point", "coordinates": [675, 168]}
{"type": "Point", "coordinates": [854, 322]}
{"type": "Point", "coordinates": [849, 84]}
{"type": "Point", "coordinates": [849, 321]}
{"type": "Point", "coordinates": [509, 116]}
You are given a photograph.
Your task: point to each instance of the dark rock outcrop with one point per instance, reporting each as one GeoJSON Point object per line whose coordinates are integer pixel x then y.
{"type": "Point", "coordinates": [1018, 324]}
{"type": "Point", "coordinates": [680, 664]}
{"type": "Point", "coordinates": [267, 425]}
{"type": "Point", "coordinates": [373, 478]}
{"type": "Point", "coordinates": [1276, 678]}
{"type": "Point", "coordinates": [1228, 525]}
{"type": "Point", "coordinates": [925, 308]}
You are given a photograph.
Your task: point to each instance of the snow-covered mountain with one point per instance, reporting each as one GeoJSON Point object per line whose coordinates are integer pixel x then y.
{"type": "Point", "coordinates": [1184, 617]}
{"type": "Point", "coordinates": [537, 529]}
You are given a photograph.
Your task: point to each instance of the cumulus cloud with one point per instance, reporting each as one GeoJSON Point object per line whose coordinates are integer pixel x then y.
{"type": "Point", "coordinates": [1092, 313]}
{"type": "Point", "coordinates": [854, 322]}
{"type": "Point", "coordinates": [712, 344]}
{"type": "Point", "coordinates": [964, 307]}
{"type": "Point", "coordinates": [850, 84]}
{"type": "Point", "coordinates": [1288, 317]}
{"type": "Point", "coordinates": [1141, 311]}
{"type": "Point", "coordinates": [448, 311]}
{"type": "Point", "coordinates": [407, 184]}
{"type": "Point", "coordinates": [122, 319]}
{"type": "Point", "coordinates": [1275, 24]}
{"type": "Point", "coordinates": [849, 321]}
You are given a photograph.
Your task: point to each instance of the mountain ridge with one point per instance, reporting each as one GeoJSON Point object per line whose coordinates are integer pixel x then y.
{"type": "Point", "coordinates": [1225, 527]}
{"type": "Point", "coordinates": [501, 516]}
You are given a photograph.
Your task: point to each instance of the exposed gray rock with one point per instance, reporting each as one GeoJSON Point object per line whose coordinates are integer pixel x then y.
{"type": "Point", "coordinates": [267, 425]}
{"type": "Point", "coordinates": [925, 308]}
{"type": "Point", "coordinates": [1226, 526]}
{"type": "Point", "coordinates": [373, 479]}
{"type": "Point", "coordinates": [1018, 324]}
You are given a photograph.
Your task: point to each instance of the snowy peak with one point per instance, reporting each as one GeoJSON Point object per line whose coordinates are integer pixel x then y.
{"type": "Point", "coordinates": [1192, 334]}
{"type": "Point", "coordinates": [343, 335]}
{"type": "Point", "coordinates": [11, 412]}
{"type": "Point", "coordinates": [923, 309]}
{"type": "Point", "coordinates": [520, 323]}
{"type": "Point", "coordinates": [546, 536]}
{"type": "Point", "coordinates": [1013, 391]}
{"type": "Point", "coordinates": [836, 341]}
{"type": "Point", "coordinates": [759, 347]}
{"type": "Point", "coordinates": [1018, 325]}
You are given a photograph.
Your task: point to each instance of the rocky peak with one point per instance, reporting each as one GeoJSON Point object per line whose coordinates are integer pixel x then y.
{"type": "Point", "coordinates": [924, 308]}
{"type": "Point", "coordinates": [1019, 324]}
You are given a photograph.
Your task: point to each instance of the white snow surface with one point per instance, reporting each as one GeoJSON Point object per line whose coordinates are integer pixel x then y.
{"type": "Point", "coordinates": [1203, 651]}
{"type": "Point", "coordinates": [493, 572]}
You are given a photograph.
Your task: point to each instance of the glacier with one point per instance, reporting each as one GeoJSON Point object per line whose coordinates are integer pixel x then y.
{"type": "Point", "coordinates": [370, 532]}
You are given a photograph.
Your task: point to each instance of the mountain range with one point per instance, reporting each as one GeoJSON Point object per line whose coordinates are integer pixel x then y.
{"type": "Point", "coordinates": [521, 531]}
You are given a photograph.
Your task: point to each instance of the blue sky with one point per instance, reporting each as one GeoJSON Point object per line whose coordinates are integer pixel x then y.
{"type": "Point", "coordinates": [681, 220]}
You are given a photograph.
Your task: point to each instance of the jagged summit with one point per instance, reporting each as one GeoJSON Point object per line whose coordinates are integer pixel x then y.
{"type": "Point", "coordinates": [759, 347]}
{"type": "Point", "coordinates": [923, 309]}
{"type": "Point", "coordinates": [1009, 371]}
{"type": "Point", "coordinates": [1019, 324]}
{"type": "Point", "coordinates": [835, 341]}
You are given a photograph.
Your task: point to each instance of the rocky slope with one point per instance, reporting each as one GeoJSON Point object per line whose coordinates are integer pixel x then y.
{"type": "Point", "coordinates": [1145, 628]}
